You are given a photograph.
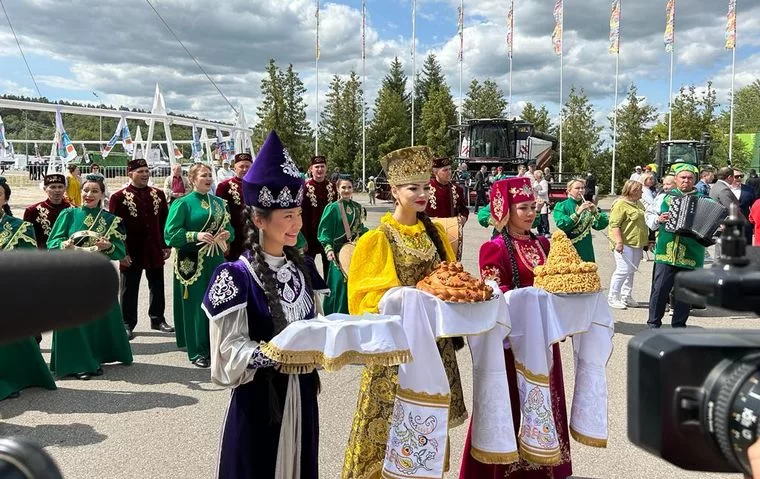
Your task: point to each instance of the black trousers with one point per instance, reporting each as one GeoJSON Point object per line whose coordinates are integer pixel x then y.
{"type": "Point", "coordinates": [543, 225]}
{"type": "Point", "coordinates": [662, 284]}
{"type": "Point", "coordinates": [130, 289]}
{"type": "Point", "coordinates": [480, 199]}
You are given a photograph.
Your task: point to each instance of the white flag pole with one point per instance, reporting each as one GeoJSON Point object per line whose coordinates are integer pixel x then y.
{"type": "Point", "coordinates": [670, 93]}
{"type": "Point", "coordinates": [614, 123]}
{"type": "Point", "coordinates": [414, 60]}
{"type": "Point", "coordinates": [364, 86]}
{"type": "Point", "coordinates": [316, 94]}
{"type": "Point", "coordinates": [511, 27]}
{"type": "Point", "coordinates": [561, 67]}
{"type": "Point", "coordinates": [731, 123]}
{"type": "Point", "coordinates": [461, 67]}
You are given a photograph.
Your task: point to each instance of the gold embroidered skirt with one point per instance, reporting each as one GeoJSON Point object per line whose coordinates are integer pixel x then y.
{"type": "Point", "coordinates": [365, 452]}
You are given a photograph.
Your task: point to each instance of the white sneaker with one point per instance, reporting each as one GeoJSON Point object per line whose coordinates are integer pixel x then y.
{"type": "Point", "coordinates": [615, 303]}
{"type": "Point", "coordinates": [629, 301]}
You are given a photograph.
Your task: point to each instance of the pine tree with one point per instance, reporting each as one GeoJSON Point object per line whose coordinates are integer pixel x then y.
{"type": "Point", "coordinates": [634, 136]}
{"type": "Point", "coordinates": [330, 123]}
{"type": "Point", "coordinates": [298, 132]}
{"type": "Point", "coordinates": [396, 79]}
{"type": "Point", "coordinates": [539, 118]}
{"type": "Point", "coordinates": [582, 144]}
{"type": "Point", "coordinates": [353, 106]}
{"type": "Point", "coordinates": [430, 79]}
{"type": "Point", "coordinates": [271, 109]}
{"type": "Point", "coordinates": [438, 113]}
{"type": "Point", "coordinates": [484, 101]}
{"type": "Point", "coordinates": [390, 128]}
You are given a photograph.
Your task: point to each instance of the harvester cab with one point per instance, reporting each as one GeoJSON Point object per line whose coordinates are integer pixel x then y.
{"type": "Point", "coordinates": [695, 152]}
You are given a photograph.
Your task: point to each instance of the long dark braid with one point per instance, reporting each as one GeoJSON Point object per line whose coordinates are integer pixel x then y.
{"type": "Point", "coordinates": [513, 255]}
{"type": "Point", "coordinates": [432, 232]}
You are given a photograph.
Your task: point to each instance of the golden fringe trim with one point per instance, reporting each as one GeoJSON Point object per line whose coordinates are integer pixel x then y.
{"type": "Point", "coordinates": [552, 460]}
{"type": "Point", "coordinates": [541, 379]}
{"type": "Point", "coordinates": [588, 440]}
{"type": "Point", "coordinates": [303, 362]}
{"type": "Point", "coordinates": [425, 398]}
{"type": "Point", "coordinates": [486, 457]}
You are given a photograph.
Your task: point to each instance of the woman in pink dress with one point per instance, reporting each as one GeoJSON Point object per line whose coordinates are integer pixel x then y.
{"type": "Point", "coordinates": [509, 259]}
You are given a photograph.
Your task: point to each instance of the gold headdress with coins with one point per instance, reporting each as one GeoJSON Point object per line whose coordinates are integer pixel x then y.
{"type": "Point", "coordinates": [408, 165]}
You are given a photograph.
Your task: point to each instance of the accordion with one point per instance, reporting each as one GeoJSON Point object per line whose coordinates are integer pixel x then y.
{"type": "Point", "coordinates": [695, 217]}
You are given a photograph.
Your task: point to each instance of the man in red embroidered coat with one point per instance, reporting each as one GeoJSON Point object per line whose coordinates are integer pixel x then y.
{"type": "Point", "coordinates": [42, 215]}
{"type": "Point", "coordinates": [447, 201]}
{"type": "Point", "coordinates": [319, 192]}
{"type": "Point", "coordinates": [231, 190]}
{"type": "Point", "coordinates": [143, 211]}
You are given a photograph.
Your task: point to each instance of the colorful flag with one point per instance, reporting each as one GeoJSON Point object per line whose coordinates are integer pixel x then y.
{"type": "Point", "coordinates": [3, 141]}
{"type": "Point", "coordinates": [114, 139]}
{"type": "Point", "coordinates": [195, 146]}
{"type": "Point", "coordinates": [558, 24]}
{"type": "Point", "coordinates": [126, 138]}
{"type": "Point", "coordinates": [460, 30]}
{"type": "Point", "coordinates": [615, 28]}
{"type": "Point", "coordinates": [221, 146]}
{"type": "Point", "coordinates": [85, 154]}
{"type": "Point", "coordinates": [316, 15]}
{"type": "Point", "coordinates": [510, 27]}
{"type": "Point", "coordinates": [66, 149]}
{"type": "Point", "coordinates": [731, 25]}
{"type": "Point", "coordinates": [670, 25]}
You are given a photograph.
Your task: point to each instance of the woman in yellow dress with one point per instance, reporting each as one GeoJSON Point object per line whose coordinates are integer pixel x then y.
{"type": "Point", "coordinates": [405, 248]}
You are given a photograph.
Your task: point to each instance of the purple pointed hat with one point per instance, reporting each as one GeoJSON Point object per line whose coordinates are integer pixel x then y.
{"type": "Point", "coordinates": [273, 182]}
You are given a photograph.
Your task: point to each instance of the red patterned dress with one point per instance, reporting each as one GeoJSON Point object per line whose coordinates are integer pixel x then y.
{"type": "Point", "coordinates": [510, 259]}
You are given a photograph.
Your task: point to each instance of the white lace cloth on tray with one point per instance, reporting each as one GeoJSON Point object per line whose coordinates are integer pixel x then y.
{"type": "Point", "coordinates": [419, 426]}
{"type": "Point", "coordinates": [539, 320]}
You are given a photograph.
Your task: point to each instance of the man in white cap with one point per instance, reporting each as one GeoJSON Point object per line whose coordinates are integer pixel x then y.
{"type": "Point", "coordinates": [638, 175]}
{"type": "Point", "coordinates": [371, 188]}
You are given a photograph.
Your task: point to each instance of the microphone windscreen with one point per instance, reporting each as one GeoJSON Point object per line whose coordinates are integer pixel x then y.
{"type": "Point", "coordinates": [44, 290]}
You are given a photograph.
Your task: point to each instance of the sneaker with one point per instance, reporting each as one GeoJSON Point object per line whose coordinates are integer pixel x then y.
{"type": "Point", "coordinates": [629, 301]}
{"type": "Point", "coordinates": [615, 303]}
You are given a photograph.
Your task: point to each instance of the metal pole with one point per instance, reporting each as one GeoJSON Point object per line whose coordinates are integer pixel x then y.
{"type": "Point", "coordinates": [364, 106]}
{"type": "Point", "coordinates": [316, 113]}
{"type": "Point", "coordinates": [614, 124]}
{"type": "Point", "coordinates": [511, 46]}
{"type": "Point", "coordinates": [414, 60]}
{"type": "Point", "coordinates": [461, 71]}
{"type": "Point", "coordinates": [561, 66]}
{"type": "Point", "coordinates": [670, 94]}
{"type": "Point", "coordinates": [731, 124]}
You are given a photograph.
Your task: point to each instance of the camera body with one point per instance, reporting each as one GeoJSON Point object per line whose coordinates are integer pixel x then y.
{"type": "Point", "coordinates": [694, 395]}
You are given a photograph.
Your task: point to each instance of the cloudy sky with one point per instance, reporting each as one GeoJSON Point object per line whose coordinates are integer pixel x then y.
{"type": "Point", "coordinates": [79, 47]}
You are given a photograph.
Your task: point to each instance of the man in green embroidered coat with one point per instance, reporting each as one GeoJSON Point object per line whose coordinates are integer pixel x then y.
{"type": "Point", "coordinates": [576, 217]}
{"type": "Point", "coordinates": [673, 253]}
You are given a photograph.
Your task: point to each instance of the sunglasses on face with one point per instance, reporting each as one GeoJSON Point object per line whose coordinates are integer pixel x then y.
{"type": "Point", "coordinates": [738, 176]}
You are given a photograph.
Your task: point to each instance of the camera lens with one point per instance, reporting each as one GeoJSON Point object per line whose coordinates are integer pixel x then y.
{"type": "Point", "coordinates": [23, 459]}
{"type": "Point", "coordinates": [732, 408]}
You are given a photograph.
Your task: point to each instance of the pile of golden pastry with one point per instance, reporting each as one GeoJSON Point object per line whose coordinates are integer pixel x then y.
{"type": "Point", "coordinates": [564, 272]}
{"type": "Point", "coordinates": [450, 282]}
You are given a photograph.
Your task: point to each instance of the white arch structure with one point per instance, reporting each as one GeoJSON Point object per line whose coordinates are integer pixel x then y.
{"type": "Point", "coordinates": [239, 131]}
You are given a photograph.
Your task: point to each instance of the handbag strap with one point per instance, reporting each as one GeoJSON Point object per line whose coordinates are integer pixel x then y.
{"type": "Point", "coordinates": [343, 217]}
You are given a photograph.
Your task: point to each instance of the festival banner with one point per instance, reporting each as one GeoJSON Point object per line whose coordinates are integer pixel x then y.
{"type": "Point", "coordinates": [670, 25]}
{"type": "Point", "coordinates": [615, 28]}
{"type": "Point", "coordinates": [3, 141]}
{"type": "Point", "coordinates": [66, 149]}
{"type": "Point", "coordinates": [731, 25]}
{"type": "Point", "coordinates": [557, 33]}
{"type": "Point", "coordinates": [196, 147]}
{"type": "Point", "coordinates": [510, 27]}
{"type": "Point", "coordinates": [126, 139]}
{"type": "Point", "coordinates": [221, 146]}
{"type": "Point", "coordinates": [460, 32]}
{"type": "Point", "coordinates": [114, 139]}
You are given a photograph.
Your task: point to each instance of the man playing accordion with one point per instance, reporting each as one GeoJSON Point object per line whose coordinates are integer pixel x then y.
{"type": "Point", "coordinates": [674, 253]}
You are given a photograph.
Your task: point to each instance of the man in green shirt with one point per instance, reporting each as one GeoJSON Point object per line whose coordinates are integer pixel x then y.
{"type": "Point", "coordinates": [673, 254]}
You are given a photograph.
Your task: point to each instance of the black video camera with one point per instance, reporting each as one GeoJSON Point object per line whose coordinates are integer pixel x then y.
{"type": "Point", "coordinates": [694, 395]}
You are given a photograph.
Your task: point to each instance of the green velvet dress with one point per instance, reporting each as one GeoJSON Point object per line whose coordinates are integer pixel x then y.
{"type": "Point", "coordinates": [194, 264]}
{"type": "Point", "coordinates": [21, 362]}
{"type": "Point", "coordinates": [578, 226]}
{"type": "Point", "coordinates": [82, 349]}
{"type": "Point", "coordinates": [332, 235]}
